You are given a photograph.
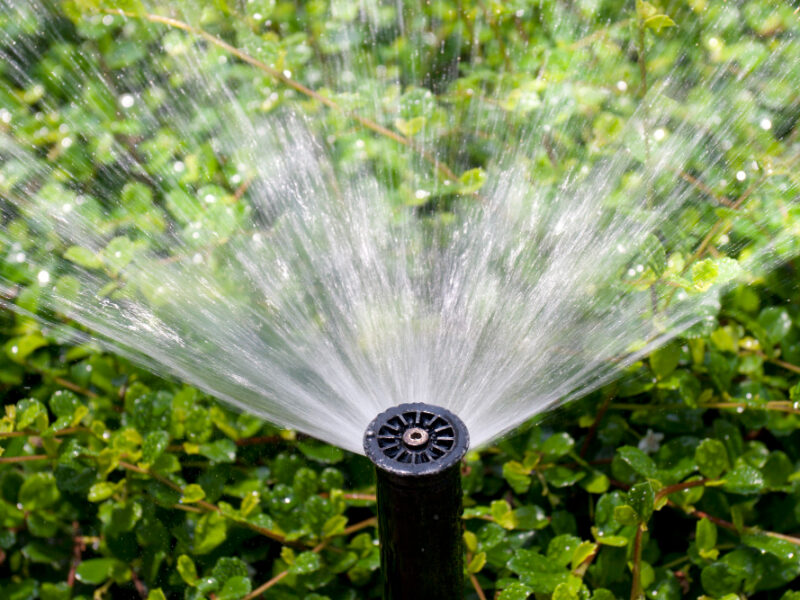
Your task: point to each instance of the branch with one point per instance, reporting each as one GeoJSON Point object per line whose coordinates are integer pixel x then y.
{"type": "Point", "coordinates": [442, 168]}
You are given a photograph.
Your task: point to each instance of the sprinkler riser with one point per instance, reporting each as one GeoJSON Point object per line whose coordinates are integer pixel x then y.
{"type": "Point", "coordinates": [419, 501]}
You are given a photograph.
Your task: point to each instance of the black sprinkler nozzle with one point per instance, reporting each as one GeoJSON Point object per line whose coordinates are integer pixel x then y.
{"type": "Point", "coordinates": [417, 451]}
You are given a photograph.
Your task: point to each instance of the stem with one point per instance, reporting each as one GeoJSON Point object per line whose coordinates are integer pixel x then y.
{"type": "Point", "coordinates": [679, 487]}
{"type": "Point", "coordinates": [593, 429]}
{"type": "Point", "coordinates": [19, 459]}
{"type": "Point", "coordinates": [477, 586]}
{"type": "Point", "coordinates": [698, 514]}
{"type": "Point", "coordinates": [29, 433]}
{"type": "Point", "coordinates": [263, 588]}
{"type": "Point", "coordinates": [636, 588]}
{"type": "Point", "coordinates": [208, 506]}
{"type": "Point", "coordinates": [441, 167]}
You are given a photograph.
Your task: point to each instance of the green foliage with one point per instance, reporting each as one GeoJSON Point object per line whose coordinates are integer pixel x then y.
{"type": "Point", "coordinates": [114, 483]}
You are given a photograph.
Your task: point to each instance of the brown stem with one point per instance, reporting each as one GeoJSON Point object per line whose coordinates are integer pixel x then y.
{"type": "Point", "coordinates": [263, 588]}
{"type": "Point", "coordinates": [29, 433]}
{"type": "Point", "coordinates": [19, 459]}
{"type": "Point", "coordinates": [477, 586]}
{"type": "Point", "coordinates": [698, 514]}
{"type": "Point", "coordinates": [593, 429]}
{"type": "Point", "coordinates": [295, 85]}
{"type": "Point", "coordinates": [636, 587]}
{"type": "Point", "coordinates": [679, 487]}
{"type": "Point", "coordinates": [208, 506]}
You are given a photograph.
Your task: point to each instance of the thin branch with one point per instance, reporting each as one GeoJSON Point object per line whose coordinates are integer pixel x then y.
{"type": "Point", "coordinates": [263, 588]}
{"type": "Point", "coordinates": [477, 586]}
{"type": "Point", "coordinates": [19, 459]}
{"type": "Point", "coordinates": [593, 429]}
{"type": "Point", "coordinates": [208, 506]}
{"type": "Point", "coordinates": [636, 587]}
{"type": "Point", "coordinates": [289, 82]}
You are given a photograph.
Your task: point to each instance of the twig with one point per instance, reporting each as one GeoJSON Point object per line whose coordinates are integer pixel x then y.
{"type": "Point", "coordinates": [477, 586]}
{"type": "Point", "coordinates": [636, 588]}
{"type": "Point", "coordinates": [679, 487]}
{"type": "Point", "coordinates": [593, 429]}
{"type": "Point", "coordinates": [295, 85]}
{"type": "Point", "coordinates": [208, 506]}
{"type": "Point", "coordinates": [19, 459]}
{"type": "Point", "coordinates": [263, 588]}
{"type": "Point", "coordinates": [58, 433]}
{"type": "Point", "coordinates": [698, 514]}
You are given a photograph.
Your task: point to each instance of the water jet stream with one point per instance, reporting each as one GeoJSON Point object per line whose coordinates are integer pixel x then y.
{"type": "Point", "coordinates": [488, 242]}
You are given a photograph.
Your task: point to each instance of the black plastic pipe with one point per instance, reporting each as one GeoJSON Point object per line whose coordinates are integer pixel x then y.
{"type": "Point", "coordinates": [417, 450]}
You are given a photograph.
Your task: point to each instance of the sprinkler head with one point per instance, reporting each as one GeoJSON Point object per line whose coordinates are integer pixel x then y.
{"type": "Point", "coordinates": [416, 439]}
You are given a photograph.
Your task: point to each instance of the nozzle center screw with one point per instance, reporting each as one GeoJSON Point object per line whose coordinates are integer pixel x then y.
{"type": "Point", "coordinates": [415, 437]}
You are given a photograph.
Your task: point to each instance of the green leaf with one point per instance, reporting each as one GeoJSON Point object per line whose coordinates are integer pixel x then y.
{"type": "Point", "coordinates": [664, 360]}
{"type": "Point", "coordinates": [83, 257]}
{"type": "Point", "coordinates": [192, 493]}
{"type": "Point", "coordinates": [154, 445]}
{"type": "Point", "coordinates": [100, 491]}
{"type": "Point", "coordinates": [156, 594]}
{"type": "Point", "coordinates": [776, 322]}
{"type": "Point", "coordinates": [210, 532]}
{"type": "Point", "coordinates": [542, 574]}
{"type": "Point", "coordinates": [98, 570]}
{"type": "Point", "coordinates": [477, 563]}
{"type": "Point", "coordinates": [642, 497]}
{"type": "Point", "coordinates": [471, 181]}
{"type": "Point", "coordinates": [38, 491]}
{"type": "Point", "coordinates": [515, 591]}
{"type": "Point", "coordinates": [777, 469]}
{"type": "Point", "coordinates": [220, 451]}
{"type": "Point", "coordinates": [744, 479]}
{"type": "Point", "coordinates": [557, 445]}
{"type": "Point", "coordinates": [517, 476]}
{"type": "Point", "coordinates": [305, 563]}
{"type": "Point", "coordinates": [502, 514]}
{"type": "Point", "coordinates": [582, 552]}
{"type": "Point", "coordinates": [235, 588]}
{"type": "Point", "coordinates": [118, 253]}
{"type": "Point", "coordinates": [626, 515]}
{"type": "Point", "coordinates": [711, 458]}
{"type": "Point", "coordinates": [705, 534]}
{"type": "Point", "coordinates": [20, 348]}
{"type": "Point", "coordinates": [658, 22]}
{"type": "Point", "coordinates": [319, 452]}
{"type": "Point", "coordinates": [187, 570]}
{"type": "Point", "coordinates": [410, 127]}
{"type": "Point", "coordinates": [638, 461]}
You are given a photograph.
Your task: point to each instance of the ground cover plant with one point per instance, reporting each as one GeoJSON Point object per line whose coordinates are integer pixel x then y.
{"type": "Point", "coordinates": [678, 480]}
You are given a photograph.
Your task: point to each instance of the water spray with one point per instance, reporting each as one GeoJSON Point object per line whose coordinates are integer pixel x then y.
{"type": "Point", "coordinates": [417, 450]}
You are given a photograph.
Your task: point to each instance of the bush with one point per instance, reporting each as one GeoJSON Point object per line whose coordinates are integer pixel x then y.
{"type": "Point", "coordinates": [679, 479]}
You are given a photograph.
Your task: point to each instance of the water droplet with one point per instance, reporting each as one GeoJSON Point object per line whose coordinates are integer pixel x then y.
{"type": "Point", "coordinates": [659, 134]}
{"type": "Point", "coordinates": [765, 124]}
{"type": "Point", "coordinates": [19, 257]}
{"type": "Point", "coordinates": [5, 115]}
{"type": "Point", "coordinates": [66, 142]}
{"type": "Point", "coordinates": [713, 43]}
{"type": "Point", "coordinates": [88, 368]}
{"type": "Point", "coordinates": [108, 20]}
{"type": "Point", "coordinates": [178, 166]}
{"type": "Point", "coordinates": [209, 198]}
{"type": "Point", "coordinates": [14, 349]}
{"type": "Point", "coordinates": [421, 194]}
{"type": "Point", "coordinates": [127, 100]}
{"type": "Point", "coordinates": [287, 73]}
{"type": "Point", "coordinates": [43, 277]}
{"type": "Point", "coordinates": [741, 175]}
{"type": "Point", "coordinates": [740, 409]}
{"type": "Point", "coordinates": [622, 86]}
{"type": "Point", "coordinates": [197, 258]}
